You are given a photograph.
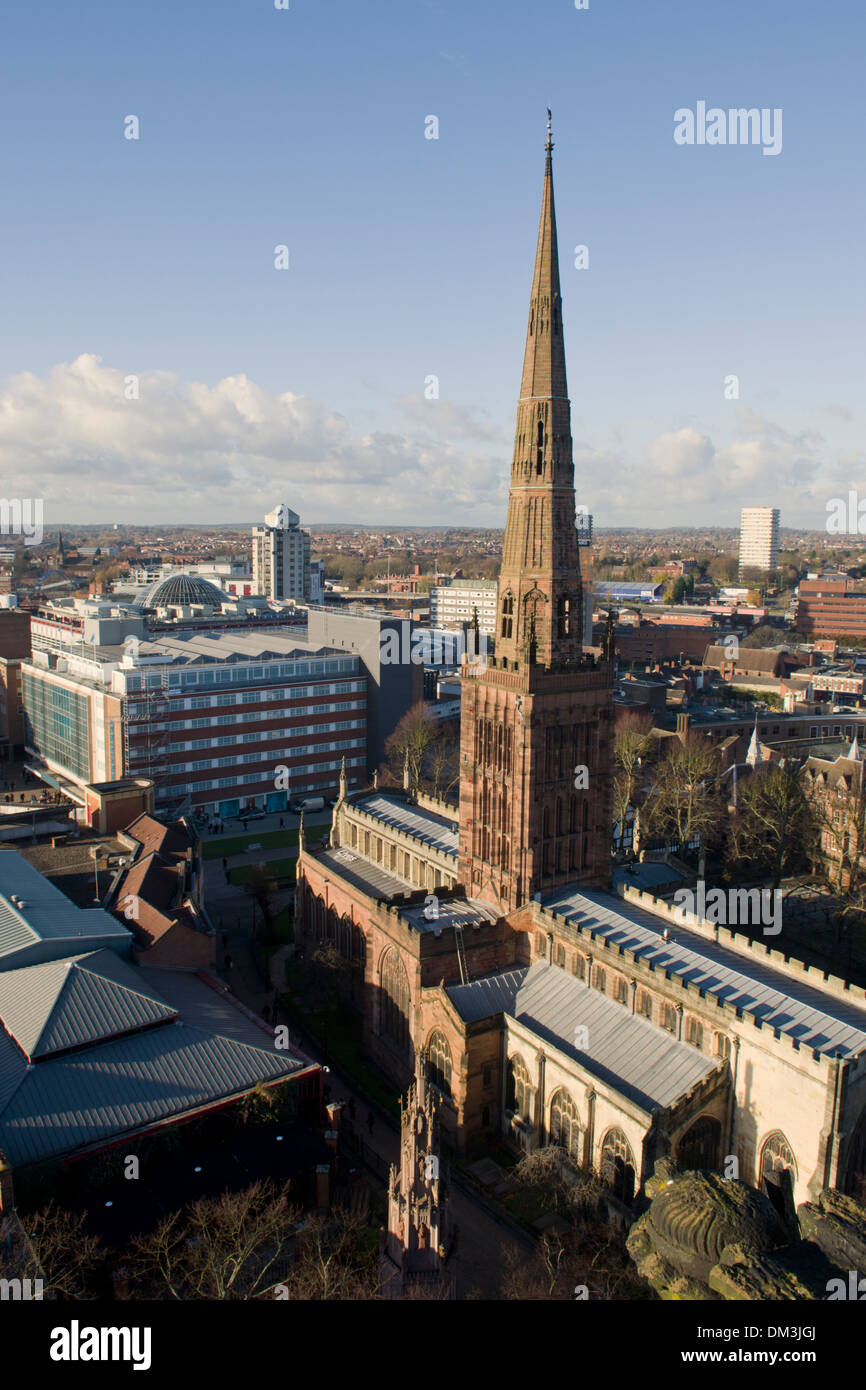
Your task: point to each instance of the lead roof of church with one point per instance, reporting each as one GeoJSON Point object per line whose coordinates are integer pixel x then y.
{"type": "Point", "coordinates": [434, 830]}
{"type": "Point", "coordinates": [364, 874]}
{"type": "Point", "coordinates": [817, 1020]}
{"type": "Point", "coordinates": [629, 1054]}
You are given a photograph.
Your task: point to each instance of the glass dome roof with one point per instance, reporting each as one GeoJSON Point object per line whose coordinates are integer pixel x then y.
{"type": "Point", "coordinates": [182, 590]}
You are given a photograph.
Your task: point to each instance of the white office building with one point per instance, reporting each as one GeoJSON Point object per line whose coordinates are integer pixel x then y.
{"type": "Point", "coordinates": [281, 557]}
{"type": "Point", "coordinates": [456, 602]}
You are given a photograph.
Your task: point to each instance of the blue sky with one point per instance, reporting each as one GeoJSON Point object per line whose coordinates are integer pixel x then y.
{"type": "Point", "coordinates": [411, 257]}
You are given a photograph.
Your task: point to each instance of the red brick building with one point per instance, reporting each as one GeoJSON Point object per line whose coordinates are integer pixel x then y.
{"type": "Point", "coordinates": [828, 608]}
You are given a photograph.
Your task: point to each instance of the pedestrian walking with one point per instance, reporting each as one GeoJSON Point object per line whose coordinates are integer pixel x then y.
{"type": "Point", "coordinates": [227, 961]}
{"type": "Point", "coordinates": [225, 863]}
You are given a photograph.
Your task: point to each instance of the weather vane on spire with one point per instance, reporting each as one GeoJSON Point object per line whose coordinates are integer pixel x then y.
{"type": "Point", "coordinates": [549, 120]}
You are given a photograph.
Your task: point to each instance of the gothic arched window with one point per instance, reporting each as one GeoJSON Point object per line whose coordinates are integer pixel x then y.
{"type": "Point", "coordinates": [518, 1089]}
{"type": "Point", "coordinates": [345, 940]}
{"type": "Point", "coordinates": [439, 1063]}
{"type": "Point", "coordinates": [617, 1165]}
{"type": "Point", "coordinates": [359, 946]}
{"type": "Point", "coordinates": [776, 1153]}
{"type": "Point", "coordinates": [507, 615]}
{"type": "Point", "coordinates": [694, 1031]}
{"type": "Point", "coordinates": [395, 1000]}
{"type": "Point", "coordinates": [699, 1146]}
{"type": "Point", "coordinates": [564, 1125]}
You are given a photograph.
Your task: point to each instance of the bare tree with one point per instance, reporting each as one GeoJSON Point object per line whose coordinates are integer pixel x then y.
{"type": "Point", "coordinates": [52, 1245]}
{"type": "Point", "coordinates": [774, 828]}
{"type": "Point", "coordinates": [336, 1258]}
{"type": "Point", "coordinates": [764, 636]}
{"type": "Point", "coordinates": [443, 760]}
{"type": "Point", "coordinates": [684, 802]}
{"type": "Point", "coordinates": [590, 1262]}
{"type": "Point", "coordinates": [327, 976]}
{"type": "Point", "coordinates": [233, 1247]}
{"type": "Point", "coordinates": [409, 744]}
{"type": "Point", "coordinates": [633, 747]}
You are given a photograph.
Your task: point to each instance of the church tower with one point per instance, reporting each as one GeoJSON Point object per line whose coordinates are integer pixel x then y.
{"type": "Point", "coordinates": [536, 720]}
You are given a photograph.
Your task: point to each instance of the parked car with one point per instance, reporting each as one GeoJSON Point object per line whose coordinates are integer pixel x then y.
{"type": "Point", "coordinates": [308, 803]}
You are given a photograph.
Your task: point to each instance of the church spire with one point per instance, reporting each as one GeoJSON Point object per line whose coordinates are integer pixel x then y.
{"type": "Point", "coordinates": [544, 356]}
{"type": "Point", "coordinates": [539, 585]}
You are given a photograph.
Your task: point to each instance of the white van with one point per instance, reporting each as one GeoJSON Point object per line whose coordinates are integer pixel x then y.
{"type": "Point", "coordinates": [309, 803]}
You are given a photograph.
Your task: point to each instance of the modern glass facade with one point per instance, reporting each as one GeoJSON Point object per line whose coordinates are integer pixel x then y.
{"type": "Point", "coordinates": [56, 724]}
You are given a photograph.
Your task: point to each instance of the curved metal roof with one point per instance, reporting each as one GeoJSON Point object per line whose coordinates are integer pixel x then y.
{"type": "Point", "coordinates": [182, 590]}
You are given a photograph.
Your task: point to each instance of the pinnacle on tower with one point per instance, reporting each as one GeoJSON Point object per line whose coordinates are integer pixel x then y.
{"type": "Point", "coordinates": [754, 755]}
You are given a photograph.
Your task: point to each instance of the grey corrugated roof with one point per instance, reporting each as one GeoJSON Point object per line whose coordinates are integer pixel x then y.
{"type": "Point", "coordinates": [71, 1002]}
{"type": "Point", "coordinates": [62, 1103]}
{"type": "Point", "coordinates": [202, 1006]}
{"type": "Point", "coordinates": [426, 826]}
{"type": "Point", "coordinates": [47, 914]}
{"type": "Point", "coordinates": [627, 1052]}
{"type": "Point", "coordinates": [817, 1020]}
{"type": "Point", "coordinates": [494, 994]}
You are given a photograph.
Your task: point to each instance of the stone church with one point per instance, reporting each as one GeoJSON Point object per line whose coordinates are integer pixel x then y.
{"type": "Point", "coordinates": [549, 1009]}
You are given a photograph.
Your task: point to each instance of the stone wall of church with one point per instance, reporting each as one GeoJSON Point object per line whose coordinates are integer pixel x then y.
{"type": "Point", "coordinates": [470, 1115]}
{"type": "Point", "coordinates": [783, 1092]}
{"type": "Point", "coordinates": [571, 1107]}
{"type": "Point", "coordinates": [427, 958]}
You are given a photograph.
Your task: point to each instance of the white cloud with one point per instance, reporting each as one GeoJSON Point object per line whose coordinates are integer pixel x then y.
{"type": "Point", "coordinates": [194, 452]}
{"type": "Point", "coordinates": [229, 452]}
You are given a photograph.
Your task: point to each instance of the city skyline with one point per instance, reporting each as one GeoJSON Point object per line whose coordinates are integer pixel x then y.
{"type": "Point", "coordinates": [407, 261]}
